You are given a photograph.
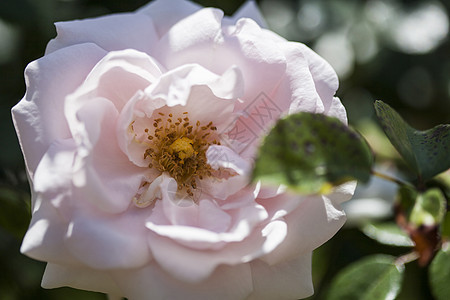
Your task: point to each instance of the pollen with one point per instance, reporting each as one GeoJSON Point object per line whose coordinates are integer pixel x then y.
{"type": "Point", "coordinates": [179, 148]}
{"type": "Point", "coordinates": [182, 148]}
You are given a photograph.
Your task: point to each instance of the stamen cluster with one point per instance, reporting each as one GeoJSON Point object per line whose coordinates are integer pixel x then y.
{"type": "Point", "coordinates": [179, 148]}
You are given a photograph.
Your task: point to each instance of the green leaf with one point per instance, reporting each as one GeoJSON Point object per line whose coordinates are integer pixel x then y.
{"type": "Point", "coordinates": [422, 209]}
{"type": "Point", "coordinates": [388, 234]}
{"type": "Point", "coordinates": [426, 208]}
{"type": "Point", "coordinates": [439, 274]}
{"type": "Point", "coordinates": [429, 208]}
{"type": "Point", "coordinates": [446, 227]}
{"type": "Point", "coordinates": [375, 277]}
{"type": "Point", "coordinates": [426, 152]}
{"type": "Point", "coordinates": [310, 153]}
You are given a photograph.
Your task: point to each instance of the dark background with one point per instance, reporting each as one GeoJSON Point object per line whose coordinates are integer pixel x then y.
{"type": "Point", "coordinates": [396, 51]}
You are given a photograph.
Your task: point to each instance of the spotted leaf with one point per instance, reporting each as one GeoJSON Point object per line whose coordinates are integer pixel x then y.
{"type": "Point", "coordinates": [310, 153]}
{"type": "Point", "coordinates": [426, 152]}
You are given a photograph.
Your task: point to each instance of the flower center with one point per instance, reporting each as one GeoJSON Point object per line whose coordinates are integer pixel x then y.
{"type": "Point", "coordinates": [179, 148]}
{"type": "Point", "coordinates": [182, 148]}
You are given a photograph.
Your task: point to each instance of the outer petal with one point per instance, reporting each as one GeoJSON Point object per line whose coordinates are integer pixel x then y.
{"type": "Point", "coordinates": [312, 223]}
{"type": "Point", "coordinates": [151, 282]}
{"type": "Point", "coordinates": [249, 10]}
{"type": "Point", "coordinates": [52, 189]}
{"type": "Point", "coordinates": [109, 241]}
{"type": "Point", "coordinates": [39, 116]}
{"type": "Point", "coordinates": [112, 32]}
{"type": "Point", "coordinates": [80, 278]}
{"type": "Point", "coordinates": [44, 238]}
{"type": "Point", "coordinates": [284, 281]}
{"type": "Point", "coordinates": [337, 110]}
{"type": "Point", "coordinates": [298, 85]}
{"type": "Point", "coordinates": [325, 78]}
{"type": "Point", "coordinates": [165, 13]}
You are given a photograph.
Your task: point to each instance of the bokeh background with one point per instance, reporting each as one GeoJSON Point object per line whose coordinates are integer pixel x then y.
{"type": "Point", "coordinates": [394, 50]}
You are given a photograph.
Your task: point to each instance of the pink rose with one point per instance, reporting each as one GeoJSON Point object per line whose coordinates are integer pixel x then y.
{"type": "Point", "coordinates": [139, 132]}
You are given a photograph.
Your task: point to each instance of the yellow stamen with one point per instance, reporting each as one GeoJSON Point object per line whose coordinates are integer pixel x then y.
{"type": "Point", "coordinates": [182, 147]}
{"type": "Point", "coordinates": [179, 148]}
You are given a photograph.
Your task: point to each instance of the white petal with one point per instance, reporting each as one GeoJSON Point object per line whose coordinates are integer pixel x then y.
{"type": "Point", "coordinates": [80, 278]}
{"type": "Point", "coordinates": [312, 223]}
{"type": "Point", "coordinates": [201, 39]}
{"type": "Point", "coordinates": [226, 283]}
{"type": "Point", "coordinates": [298, 86]}
{"type": "Point", "coordinates": [118, 76]}
{"type": "Point", "coordinates": [111, 32]}
{"type": "Point", "coordinates": [44, 239]}
{"type": "Point", "coordinates": [102, 172]}
{"type": "Point", "coordinates": [325, 78]}
{"type": "Point", "coordinates": [109, 242]}
{"type": "Point", "coordinates": [249, 10]}
{"type": "Point", "coordinates": [337, 110]}
{"type": "Point", "coordinates": [165, 13]}
{"type": "Point", "coordinates": [284, 281]}
{"type": "Point", "coordinates": [39, 116]}
{"type": "Point", "coordinates": [199, 92]}
{"type": "Point", "coordinates": [223, 157]}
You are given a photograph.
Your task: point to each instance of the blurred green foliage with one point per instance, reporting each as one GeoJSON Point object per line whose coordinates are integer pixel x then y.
{"type": "Point", "coordinates": [373, 45]}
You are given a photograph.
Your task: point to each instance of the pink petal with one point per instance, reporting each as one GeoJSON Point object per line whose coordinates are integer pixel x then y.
{"type": "Point", "coordinates": [225, 160]}
{"type": "Point", "coordinates": [39, 116]}
{"type": "Point", "coordinates": [175, 85]}
{"type": "Point", "coordinates": [337, 110]}
{"type": "Point", "coordinates": [52, 189]}
{"type": "Point", "coordinates": [102, 173]}
{"type": "Point", "coordinates": [284, 281]}
{"type": "Point", "coordinates": [109, 241]}
{"type": "Point", "coordinates": [278, 206]}
{"type": "Point", "coordinates": [343, 192]}
{"type": "Point", "coordinates": [298, 89]}
{"type": "Point", "coordinates": [118, 76]}
{"type": "Point", "coordinates": [44, 239]}
{"type": "Point", "coordinates": [325, 78]}
{"type": "Point", "coordinates": [111, 32]}
{"type": "Point", "coordinates": [205, 225]}
{"type": "Point", "coordinates": [190, 88]}
{"type": "Point", "coordinates": [80, 278]}
{"type": "Point", "coordinates": [130, 140]}
{"type": "Point", "coordinates": [200, 39]}
{"type": "Point", "coordinates": [180, 255]}
{"type": "Point", "coordinates": [54, 172]}
{"type": "Point", "coordinates": [226, 283]}
{"type": "Point", "coordinates": [192, 265]}
{"type": "Point", "coordinates": [165, 13]}
{"type": "Point", "coordinates": [312, 223]}
{"type": "Point", "coordinates": [224, 157]}
{"type": "Point", "coordinates": [248, 10]}
{"type": "Point", "coordinates": [184, 212]}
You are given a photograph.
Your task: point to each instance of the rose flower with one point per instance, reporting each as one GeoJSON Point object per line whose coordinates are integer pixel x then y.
{"type": "Point", "coordinates": [139, 133]}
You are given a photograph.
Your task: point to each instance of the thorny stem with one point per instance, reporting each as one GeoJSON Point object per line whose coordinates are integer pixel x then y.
{"type": "Point", "coordinates": [390, 178]}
